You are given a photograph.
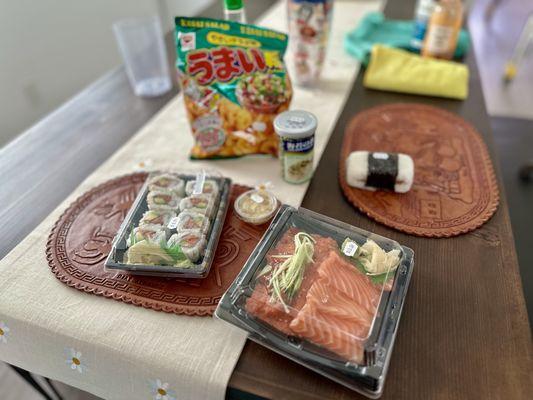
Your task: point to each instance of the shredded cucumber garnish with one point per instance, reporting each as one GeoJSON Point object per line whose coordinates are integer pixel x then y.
{"type": "Point", "coordinates": [132, 236]}
{"type": "Point", "coordinates": [265, 271]}
{"type": "Point", "coordinates": [287, 278]}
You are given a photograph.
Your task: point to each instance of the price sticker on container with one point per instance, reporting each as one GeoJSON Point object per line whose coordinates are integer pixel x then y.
{"type": "Point", "coordinates": [380, 156]}
{"type": "Point", "coordinates": [257, 198]}
{"type": "Point", "coordinates": [173, 223]}
{"type": "Point", "coordinates": [199, 183]}
{"type": "Point", "coordinates": [349, 247]}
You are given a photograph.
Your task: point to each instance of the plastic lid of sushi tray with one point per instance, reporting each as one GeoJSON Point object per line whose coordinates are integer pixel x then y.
{"type": "Point", "coordinates": [151, 240]}
{"type": "Point", "coordinates": [325, 294]}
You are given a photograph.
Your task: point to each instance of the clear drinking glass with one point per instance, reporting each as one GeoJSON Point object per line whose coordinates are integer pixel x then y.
{"type": "Point", "coordinates": [140, 41]}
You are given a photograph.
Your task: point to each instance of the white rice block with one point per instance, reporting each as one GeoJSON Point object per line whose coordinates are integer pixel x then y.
{"type": "Point", "coordinates": [406, 174]}
{"type": "Point", "coordinates": [357, 171]}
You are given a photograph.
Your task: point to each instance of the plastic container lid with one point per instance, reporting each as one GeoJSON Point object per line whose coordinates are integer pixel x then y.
{"type": "Point", "coordinates": [256, 206]}
{"type": "Point", "coordinates": [324, 294]}
{"type": "Point", "coordinates": [295, 124]}
{"type": "Point", "coordinates": [152, 239]}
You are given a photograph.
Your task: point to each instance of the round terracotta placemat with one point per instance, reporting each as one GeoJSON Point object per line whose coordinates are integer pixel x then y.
{"type": "Point", "coordinates": [454, 190]}
{"type": "Point", "coordinates": [81, 240]}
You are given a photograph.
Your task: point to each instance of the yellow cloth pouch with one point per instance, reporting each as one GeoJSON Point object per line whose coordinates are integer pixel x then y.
{"type": "Point", "coordinates": [400, 71]}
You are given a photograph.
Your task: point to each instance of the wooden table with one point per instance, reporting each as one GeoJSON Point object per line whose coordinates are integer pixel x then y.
{"type": "Point", "coordinates": [464, 332]}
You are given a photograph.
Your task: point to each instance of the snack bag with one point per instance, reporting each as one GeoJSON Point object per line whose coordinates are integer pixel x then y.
{"type": "Point", "coordinates": [234, 84]}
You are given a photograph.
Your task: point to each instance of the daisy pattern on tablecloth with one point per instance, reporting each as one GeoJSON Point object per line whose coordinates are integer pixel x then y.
{"type": "Point", "coordinates": [161, 391]}
{"type": "Point", "coordinates": [4, 332]}
{"type": "Point", "coordinates": [74, 360]}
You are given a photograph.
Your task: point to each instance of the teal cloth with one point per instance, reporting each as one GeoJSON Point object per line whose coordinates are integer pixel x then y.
{"type": "Point", "coordinates": [375, 29]}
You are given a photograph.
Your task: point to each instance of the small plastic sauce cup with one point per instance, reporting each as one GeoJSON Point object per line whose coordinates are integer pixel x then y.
{"type": "Point", "coordinates": [256, 206]}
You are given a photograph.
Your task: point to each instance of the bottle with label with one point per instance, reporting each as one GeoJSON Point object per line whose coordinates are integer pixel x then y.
{"type": "Point", "coordinates": [234, 11]}
{"type": "Point", "coordinates": [296, 131]}
{"type": "Point", "coordinates": [443, 29]}
{"type": "Point", "coordinates": [309, 26]}
{"type": "Point", "coordinates": [424, 9]}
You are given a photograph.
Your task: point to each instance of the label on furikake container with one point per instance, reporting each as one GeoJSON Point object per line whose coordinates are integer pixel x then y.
{"type": "Point", "coordinates": [234, 84]}
{"type": "Point", "coordinates": [296, 131]}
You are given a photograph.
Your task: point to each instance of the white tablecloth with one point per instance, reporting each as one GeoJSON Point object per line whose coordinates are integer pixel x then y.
{"type": "Point", "coordinates": [127, 352]}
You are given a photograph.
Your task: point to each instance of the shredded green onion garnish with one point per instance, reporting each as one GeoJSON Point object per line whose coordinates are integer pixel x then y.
{"type": "Point", "coordinates": [287, 278]}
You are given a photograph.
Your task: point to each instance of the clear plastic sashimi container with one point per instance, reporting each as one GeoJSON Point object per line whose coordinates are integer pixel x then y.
{"type": "Point", "coordinates": [173, 226]}
{"type": "Point", "coordinates": [324, 294]}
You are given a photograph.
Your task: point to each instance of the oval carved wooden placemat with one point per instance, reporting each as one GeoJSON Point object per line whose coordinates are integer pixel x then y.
{"type": "Point", "coordinates": [81, 240]}
{"type": "Point", "coordinates": [454, 190]}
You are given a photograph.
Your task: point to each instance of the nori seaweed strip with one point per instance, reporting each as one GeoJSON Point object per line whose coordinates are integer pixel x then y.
{"type": "Point", "coordinates": [382, 173]}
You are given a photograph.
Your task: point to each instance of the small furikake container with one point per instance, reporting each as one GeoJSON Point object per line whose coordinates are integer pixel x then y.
{"type": "Point", "coordinates": [296, 131]}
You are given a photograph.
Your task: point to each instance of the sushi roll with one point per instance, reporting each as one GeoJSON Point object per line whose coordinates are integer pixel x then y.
{"type": "Point", "coordinates": [167, 182]}
{"type": "Point", "coordinates": [377, 170]}
{"type": "Point", "coordinates": [210, 187]}
{"type": "Point", "coordinates": [156, 217]}
{"type": "Point", "coordinates": [162, 200]}
{"type": "Point", "coordinates": [192, 221]}
{"type": "Point", "coordinates": [200, 203]}
{"type": "Point", "coordinates": [192, 244]}
{"type": "Point", "coordinates": [150, 233]}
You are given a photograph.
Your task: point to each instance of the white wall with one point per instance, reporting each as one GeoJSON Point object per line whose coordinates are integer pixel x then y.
{"type": "Point", "coordinates": [51, 49]}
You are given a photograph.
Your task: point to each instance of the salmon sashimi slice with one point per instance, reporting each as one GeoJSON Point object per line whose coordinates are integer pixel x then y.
{"type": "Point", "coordinates": [273, 313]}
{"type": "Point", "coordinates": [330, 332]}
{"type": "Point", "coordinates": [328, 300]}
{"type": "Point", "coordinates": [334, 307]}
{"type": "Point", "coordinates": [341, 274]}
